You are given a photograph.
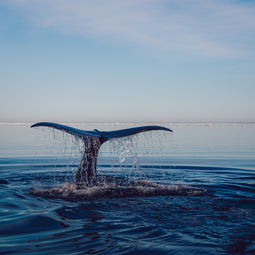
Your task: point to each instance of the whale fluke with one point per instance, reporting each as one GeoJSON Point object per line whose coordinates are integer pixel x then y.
{"type": "Point", "coordinates": [102, 134]}
{"type": "Point", "coordinates": [93, 140]}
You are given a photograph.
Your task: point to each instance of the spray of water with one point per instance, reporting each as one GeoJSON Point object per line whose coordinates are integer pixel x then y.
{"type": "Point", "coordinates": [125, 150]}
{"type": "Point", "coordinates": [131, 181]}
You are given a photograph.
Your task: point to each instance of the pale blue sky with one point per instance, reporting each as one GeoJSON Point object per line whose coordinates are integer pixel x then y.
{"type": "Point", "coordinates": [133, 60]}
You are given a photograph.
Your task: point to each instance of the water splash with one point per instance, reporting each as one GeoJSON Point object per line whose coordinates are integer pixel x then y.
{"type": "Point", "coordinates": [125, 150]}
{"type": "Point", "coordinates": [87, 184]}
{"type": "Point", "coordinates": [115, 187]}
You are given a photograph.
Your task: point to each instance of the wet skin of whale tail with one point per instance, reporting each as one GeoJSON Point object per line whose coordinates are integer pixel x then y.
{"type": "Point", "coordinates": [86, 173]}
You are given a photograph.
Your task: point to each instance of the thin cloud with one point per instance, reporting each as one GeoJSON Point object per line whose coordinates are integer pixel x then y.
{"type": "Point", "coordinates": [204, 27]}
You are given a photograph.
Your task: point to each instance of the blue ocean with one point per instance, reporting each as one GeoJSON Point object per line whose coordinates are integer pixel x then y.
{"type": "Point", "coordinates": [216, 158]}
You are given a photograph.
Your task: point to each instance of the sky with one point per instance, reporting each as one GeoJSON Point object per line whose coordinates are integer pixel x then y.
{"type": "Point", "coordinates": [127, 61]}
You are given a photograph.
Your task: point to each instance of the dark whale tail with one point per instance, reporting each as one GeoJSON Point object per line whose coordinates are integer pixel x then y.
{"type": "Point", "coordinates": [105, 135]}
{"type": "Point", "coordinates": [93, 140]}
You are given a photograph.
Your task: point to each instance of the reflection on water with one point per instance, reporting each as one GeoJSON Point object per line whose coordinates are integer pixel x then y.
{"type": "Point", "coordinates": [218, 221]}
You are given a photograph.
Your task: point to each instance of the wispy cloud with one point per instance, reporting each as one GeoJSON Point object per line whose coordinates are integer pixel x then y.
{"type": "Point", "coordinates": [199, 27]}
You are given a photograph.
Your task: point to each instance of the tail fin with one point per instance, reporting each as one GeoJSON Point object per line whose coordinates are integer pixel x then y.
{"type": "Point", "coordinates": [87, 172]}
{"type": "Point", "coordinates": [105, 135]}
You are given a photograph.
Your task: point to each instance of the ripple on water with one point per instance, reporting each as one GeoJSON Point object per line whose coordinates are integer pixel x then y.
{"type": "Point", "coordinates": [29, 224]}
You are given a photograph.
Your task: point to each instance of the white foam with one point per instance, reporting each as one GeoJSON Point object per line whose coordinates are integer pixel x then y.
{"type": "Point", "coordinates": [112, 187]}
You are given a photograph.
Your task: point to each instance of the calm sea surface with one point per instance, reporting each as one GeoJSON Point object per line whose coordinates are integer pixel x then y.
{"type": "Point", "coordinates": [218, 158]}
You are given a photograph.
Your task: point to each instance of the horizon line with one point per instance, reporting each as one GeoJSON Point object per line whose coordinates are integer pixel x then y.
{"type": "Point", "coordinates": [144, 122]}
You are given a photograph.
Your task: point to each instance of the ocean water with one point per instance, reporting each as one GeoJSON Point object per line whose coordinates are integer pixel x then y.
{"type": "Point", "coordinates": [217, 158]}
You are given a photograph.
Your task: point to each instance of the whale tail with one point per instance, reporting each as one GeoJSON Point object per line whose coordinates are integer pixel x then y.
{"type": "Point", "coordinates": [103, 135]}
{"type": "Point", "coordinates": [93, 140]}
